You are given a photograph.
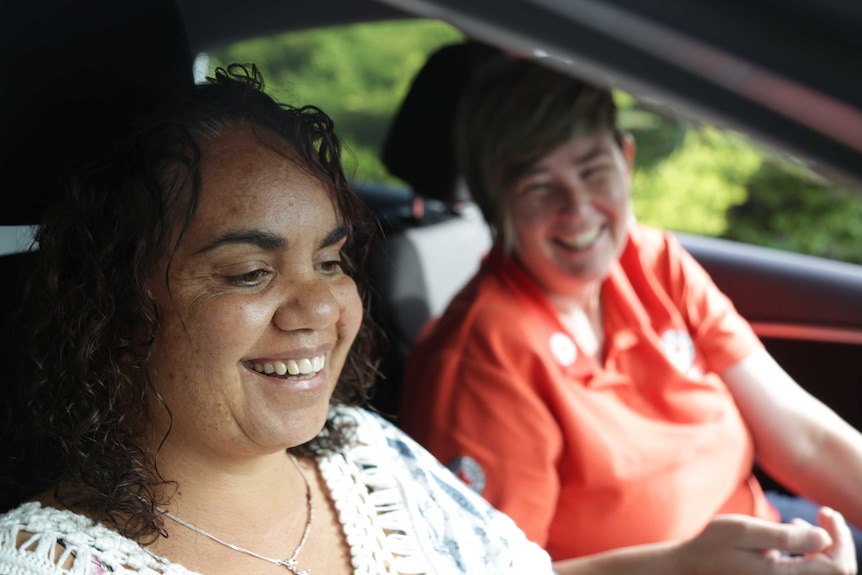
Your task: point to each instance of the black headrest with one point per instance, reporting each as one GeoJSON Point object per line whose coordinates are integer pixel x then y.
{"type": "Point", "coordinates": [418, 147]}
{"type": "Point", "coordinates": [60, 62]}
{"type": "Point", "coordinates": [27, 464]}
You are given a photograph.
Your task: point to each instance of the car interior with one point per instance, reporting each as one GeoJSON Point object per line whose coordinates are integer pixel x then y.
{"type": "Point", "coordinates": [755, 66]}
{"type": "Point", "coordinates": [426, 257]}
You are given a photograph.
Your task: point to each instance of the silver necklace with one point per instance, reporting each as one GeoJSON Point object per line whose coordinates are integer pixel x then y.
{"type": "Point", "coordinates": [290, 563]}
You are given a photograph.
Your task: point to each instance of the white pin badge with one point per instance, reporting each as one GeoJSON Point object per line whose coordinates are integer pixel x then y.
{"type": "Point", "coordinates": [678, 349]}
{"type": "Point", "coordinates": [563, 348]}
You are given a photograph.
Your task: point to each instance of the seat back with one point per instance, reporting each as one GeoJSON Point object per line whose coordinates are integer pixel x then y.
{"type": "Point", "coordinates": [67, 62]}
{"type": "Point", "coordinates": [422, 267]}
{"type": "Point", "coordinates": [415, 272]}
{"type": "Point", "coordinates": [425, 259]}
{"type": "Point", "coordinates": [27, 465]}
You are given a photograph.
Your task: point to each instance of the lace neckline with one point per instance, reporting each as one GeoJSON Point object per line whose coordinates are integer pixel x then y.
{"type": "Point", "coordinates": [366, 493]}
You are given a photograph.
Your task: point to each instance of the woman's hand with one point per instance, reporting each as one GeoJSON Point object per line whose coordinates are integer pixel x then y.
{"type": "Point", "coordinates": [743, 544]}
{"type": "Point", "coordinates": [738, 545]}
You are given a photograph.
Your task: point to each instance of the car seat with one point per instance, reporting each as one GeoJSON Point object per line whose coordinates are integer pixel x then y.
{"type": "Point", "coordinates": [428, 253]}
{"type": "Point", "coordinates": [76, 57]}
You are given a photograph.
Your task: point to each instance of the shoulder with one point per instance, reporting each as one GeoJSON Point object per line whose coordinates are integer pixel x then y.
{"type": "Point", "coordinates": [44, 540]}
{"type": "Point", "coordinates": [455, 528]}
{"type": "Point", "coordinates": [650, 244]}
{"type": "Point", "coordinates": [656, 253]}
{"type": "Point", "coordinates": [485, 297]}
{"type": "Point", "coordinates": [377, 436]}
{"type": "Point", "coordinates": [491, 314]}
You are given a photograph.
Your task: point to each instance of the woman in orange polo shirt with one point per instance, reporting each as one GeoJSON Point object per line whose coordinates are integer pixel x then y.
{"type": "Point", "coordinates": [593, 383]}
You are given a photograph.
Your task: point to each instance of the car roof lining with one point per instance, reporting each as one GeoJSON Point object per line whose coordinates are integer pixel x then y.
{"type": "Point", "coordinates": [41, 57]}
{"type": "Point", "coordinates": [213, 23]}
{"type": "Point", "coordinates": [581, 43]}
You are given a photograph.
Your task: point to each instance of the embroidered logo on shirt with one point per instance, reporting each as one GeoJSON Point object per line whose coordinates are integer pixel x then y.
{"type": "Point", "coordinates": [679, 349]}
{"type": "Point", "coordinates": [469, 471]}
{"type": "Point", "coordinates": [563, 348]}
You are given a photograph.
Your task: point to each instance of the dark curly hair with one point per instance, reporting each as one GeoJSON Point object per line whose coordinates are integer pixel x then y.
{"type": "Point", "coordinates": [95, 319]}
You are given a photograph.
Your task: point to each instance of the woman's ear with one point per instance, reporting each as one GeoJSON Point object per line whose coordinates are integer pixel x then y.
{"type": "Point", "coordinates": [627, 143]}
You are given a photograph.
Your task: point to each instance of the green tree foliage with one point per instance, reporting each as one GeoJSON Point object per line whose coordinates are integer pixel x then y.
{"type": "Point", "coordinates": [698, 179]}
{"type": "Point", "coordinates": [692, 188]}
{"type": "Point", "coordinates": [656, 137]}
{"type": "Point", "coordinates": [358, 74]}
{"type": "Point", "coordinates": [686, 177]}
{"type": "Point", "coordinates": [791, 208]}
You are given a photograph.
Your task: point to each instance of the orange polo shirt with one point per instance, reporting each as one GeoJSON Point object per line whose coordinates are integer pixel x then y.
{"type": "Point", "coordinates": [646, 447]}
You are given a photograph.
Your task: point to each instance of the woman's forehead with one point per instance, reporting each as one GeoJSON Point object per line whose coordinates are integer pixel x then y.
{"type": "Point", "coordinates": [247, 185]}
{"type": "Point", "coordinates": [578, 148]}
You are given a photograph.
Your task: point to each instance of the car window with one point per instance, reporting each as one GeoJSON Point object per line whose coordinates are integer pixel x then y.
{"type": "Point", "coordinates": [689, 176]}
{"type": "Point", "coordinates": [701, 179]}
{"type": "Point", "coordinates": [15, 239]}
{"type": "Point", "coordinates": [358, 74]}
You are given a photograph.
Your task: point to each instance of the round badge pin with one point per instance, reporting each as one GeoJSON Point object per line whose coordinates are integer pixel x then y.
{"type": "Point", "coordinates": [678, 348]}
{"type": "Point", "coordinates": [563, 348]}
{"type": "Point", "coordinates": [469, 471]}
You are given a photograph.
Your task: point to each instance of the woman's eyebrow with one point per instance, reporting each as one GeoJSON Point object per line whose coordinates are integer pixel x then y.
{"type": "Point", "coordinates": [587, 156]}
{"type": "Point", "coordinates": [265, 240]}
{"type": "Point", "coordinates": [591, 155]}
{"type": "Point", "coordinates": [333, 237]}
{"type": "Point", "coordinates": [268, 241]}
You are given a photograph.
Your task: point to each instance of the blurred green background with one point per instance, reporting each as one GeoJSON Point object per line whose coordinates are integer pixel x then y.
{"type": "Point", "coordinates": [688, 178]}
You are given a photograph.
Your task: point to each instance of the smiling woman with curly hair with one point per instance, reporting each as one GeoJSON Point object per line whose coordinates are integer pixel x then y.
{"type": "Point", "coordinates": [99, 317]}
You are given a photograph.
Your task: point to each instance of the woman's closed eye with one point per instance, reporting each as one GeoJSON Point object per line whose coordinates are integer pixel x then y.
{"type": "Point", "coordinates": [595, 172]}
{"type": "Point", "coordinates": [249, 279]}
{"type": "Point", "coordinates": [331, 266]}
{"type": "Point", "coordinates": [532, 188]}
{"type": "Point", "coordinates": [331, 259]}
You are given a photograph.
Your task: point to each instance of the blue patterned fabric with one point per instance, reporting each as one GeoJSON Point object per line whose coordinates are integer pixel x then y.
{"type": "Point", "coordinates": [449, 529]}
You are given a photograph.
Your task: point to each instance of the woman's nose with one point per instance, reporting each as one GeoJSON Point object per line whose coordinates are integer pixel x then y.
{"type": "Point", "coordinates": [307, 304]}
{"type": "Point", "coordinates": [572, 196]}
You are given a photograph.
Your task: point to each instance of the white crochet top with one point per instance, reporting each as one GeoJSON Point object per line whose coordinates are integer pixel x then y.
{"type": "Point", "coordinates": [401, 512]}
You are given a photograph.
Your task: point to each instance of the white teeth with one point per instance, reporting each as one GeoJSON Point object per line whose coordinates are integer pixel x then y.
{"type": "Point", "coordinates": [583, 239]}
{"type": "Point", "coordinates": [304, 366]}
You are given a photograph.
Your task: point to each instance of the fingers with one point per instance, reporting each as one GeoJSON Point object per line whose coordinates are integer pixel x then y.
{"type": "Point", "coordinates": [800, 548]}
{"type": "Point", "coordinates": [746, 545]}
{"type": "Point", "coordinates": [843, 550]}
{"type": "Point", "coordinates": [753, 534]}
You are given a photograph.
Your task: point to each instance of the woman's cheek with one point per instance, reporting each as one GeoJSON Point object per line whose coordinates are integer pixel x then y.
{"type": "Point", "coordinates": [350, 306]}
{"type": "Point", "coordinates": [256, 313]}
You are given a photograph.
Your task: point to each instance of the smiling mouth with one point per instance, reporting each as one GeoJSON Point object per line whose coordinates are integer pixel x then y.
{"type": "Point", "coordinates": [580, 240]}
{"type": "Point", "coordinates": [291, 368]}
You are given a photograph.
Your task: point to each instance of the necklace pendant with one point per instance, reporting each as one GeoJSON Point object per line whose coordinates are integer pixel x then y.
{"type": "Point", "coordinates": [290, 565]}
